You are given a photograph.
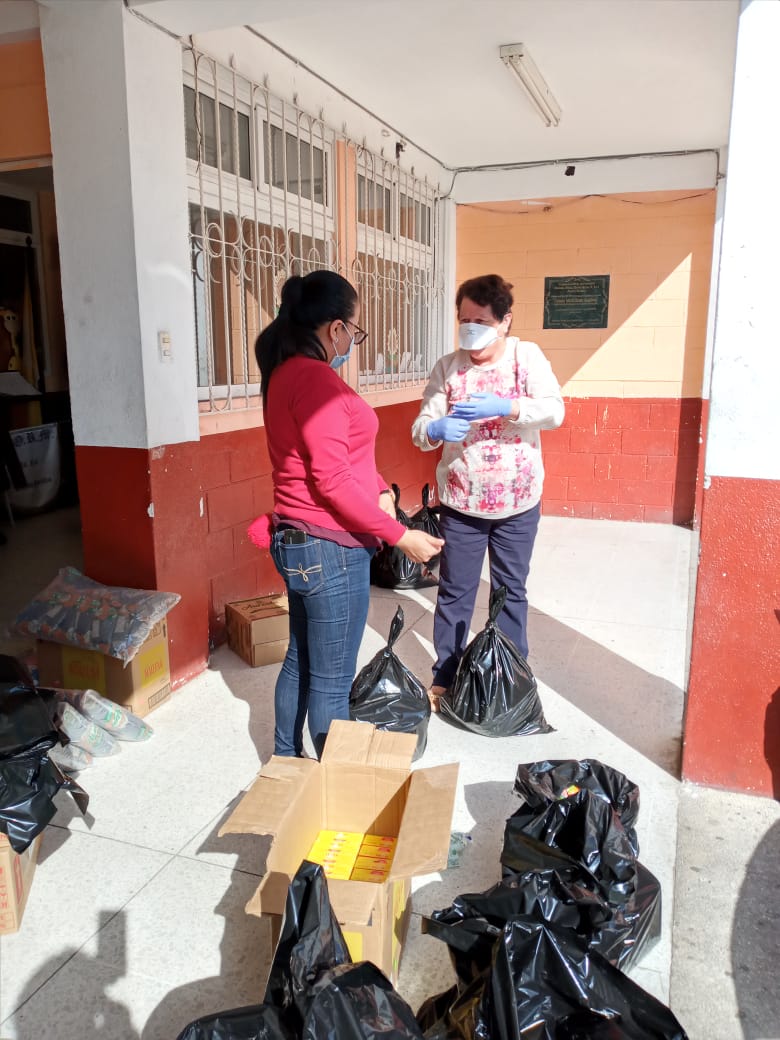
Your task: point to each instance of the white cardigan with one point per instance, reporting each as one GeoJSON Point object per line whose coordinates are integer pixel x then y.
{"type": "Point", "coordinates": [497, 470]}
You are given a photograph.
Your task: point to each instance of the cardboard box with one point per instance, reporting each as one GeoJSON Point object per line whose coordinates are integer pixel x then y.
{"type": "Point", "coordinates": [16, 877]}
{"type": "Point", "coordinates": [258, 629]}
{"type": "Point", "coordinates": [141, 685]}
{"type": "Point", "coordinates": [364, 783]}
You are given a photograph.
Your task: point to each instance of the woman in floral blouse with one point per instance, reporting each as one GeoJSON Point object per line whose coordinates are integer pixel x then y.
{"type": "Point", "coordinates": [487, 403]}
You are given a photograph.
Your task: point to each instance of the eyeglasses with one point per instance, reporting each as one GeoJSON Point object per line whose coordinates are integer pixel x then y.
{"type": "Point", "coordinates": [360, 335]}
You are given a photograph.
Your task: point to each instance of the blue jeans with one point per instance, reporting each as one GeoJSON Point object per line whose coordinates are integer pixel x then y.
{"type": "Point", "coordinates": [509, 543]}
{"type": "Point", "coordinates": [328, 586]}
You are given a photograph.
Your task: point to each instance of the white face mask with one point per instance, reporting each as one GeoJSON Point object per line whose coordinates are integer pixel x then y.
{"type": "Point", "coordinates": [472, 336]}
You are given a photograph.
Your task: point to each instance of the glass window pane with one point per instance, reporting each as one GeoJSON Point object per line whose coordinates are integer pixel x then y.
{"type": "Point", "coordinates": [227, 122]}
{"type": "Point", "coordinates": [190, 124]}
{"type": "Point", "coordinates": [227, 152]}
{"type": "Point", "coordinates": [301, 156]}
{"type": "Point", "coordinates": [208, 131]}
{"type": "Point", "coordinates": [373, 204]}
{"type": "Point", "coordinates": [244, 155]}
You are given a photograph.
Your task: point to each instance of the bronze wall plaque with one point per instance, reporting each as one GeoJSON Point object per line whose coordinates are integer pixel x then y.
{"type": "Point", "coordinates": [576, 302]}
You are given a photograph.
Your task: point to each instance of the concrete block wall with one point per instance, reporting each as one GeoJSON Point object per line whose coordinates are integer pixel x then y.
{"type": "Point", "coordinates": [624, 459]}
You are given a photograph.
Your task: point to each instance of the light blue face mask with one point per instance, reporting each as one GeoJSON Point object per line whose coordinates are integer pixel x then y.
{"type": "Point", "coordinates": [339, 359]}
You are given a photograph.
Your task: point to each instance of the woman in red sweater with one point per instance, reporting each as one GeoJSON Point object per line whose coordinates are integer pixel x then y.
{"type": "Point", "coordinates": [331, 507]}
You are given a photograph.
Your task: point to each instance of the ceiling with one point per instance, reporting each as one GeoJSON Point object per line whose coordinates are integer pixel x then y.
{"type": "Point", "coordinates": [632, 76]}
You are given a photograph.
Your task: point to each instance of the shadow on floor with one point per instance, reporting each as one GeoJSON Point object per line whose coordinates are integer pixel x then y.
{"type": "Point", "coordinates": [755, 942]}
{"type": "Point", "coordinates": [245, 949]}
{"type": "Point", "coordinates": [772, 741]}
{"type": "Point", "coordinates": [641, 709]}
{"type": "Point", "coordinates": [77, 1016]}
{"type": "Point", "coordinates": [638, 707]}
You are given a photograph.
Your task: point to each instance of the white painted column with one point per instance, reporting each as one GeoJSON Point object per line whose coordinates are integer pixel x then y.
{"type": "Point", "coordinates": [732, 737]}
{"type": "Point", "coordinates": [114, 91]}
{"type": "Point", "coordinates": [744, 424]}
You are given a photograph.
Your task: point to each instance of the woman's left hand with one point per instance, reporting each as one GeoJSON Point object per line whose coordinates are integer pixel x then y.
{"type": "Point", "coordinates": [387, 503]}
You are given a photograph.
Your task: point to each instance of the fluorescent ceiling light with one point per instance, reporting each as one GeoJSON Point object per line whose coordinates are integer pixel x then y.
{"type": "Point", "coordinates": [519, 62]}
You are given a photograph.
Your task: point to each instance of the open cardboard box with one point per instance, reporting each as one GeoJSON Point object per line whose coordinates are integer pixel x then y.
{"type": "Point", "coordinates": [364, 783]}
{"type": "Point", "coordinates": [16, 877]}
{"type": "Point", "coordinates": [140, 685]}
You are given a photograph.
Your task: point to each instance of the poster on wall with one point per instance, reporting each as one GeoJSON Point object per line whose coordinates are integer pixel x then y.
{"type": "Point", "coordinates": [576, 302]}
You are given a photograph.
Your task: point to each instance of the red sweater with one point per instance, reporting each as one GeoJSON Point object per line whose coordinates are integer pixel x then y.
{"type": "Point", "coordinates": [321, 438]}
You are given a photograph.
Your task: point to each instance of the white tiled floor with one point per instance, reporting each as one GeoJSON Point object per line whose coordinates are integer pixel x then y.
{"type": "Point", "coordinates": [135, 923]}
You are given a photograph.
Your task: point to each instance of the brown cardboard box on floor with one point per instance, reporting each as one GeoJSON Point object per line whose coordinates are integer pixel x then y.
{"type": "Point", "coordinates": [140, 685]}
{"type": "Point", "coordinates": [258, 629]}
{"type": "Point", "coordinates": [364, 783]}
{"type": "Point", "coordinates": [16, 877]}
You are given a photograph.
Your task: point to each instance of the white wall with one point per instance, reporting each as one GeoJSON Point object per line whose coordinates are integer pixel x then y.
{"type": "Point", "coordinates": [603, 177]}
{"type": "Point", "coordinates": [744, 427]}
{"type": "Point", "coordinates": [159, 199]}
{"type": "Point", "coordinates": [115, 108]}
{"type": "Point", "coordinates": [257, 60]}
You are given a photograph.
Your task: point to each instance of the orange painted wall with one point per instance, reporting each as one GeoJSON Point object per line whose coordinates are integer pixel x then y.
{"type": "Point", "coordinates": [630, 446]}
{"type": "Point", "coordinates": [657, 249]}
{"type": "Point", "coordinates": [24, 115]}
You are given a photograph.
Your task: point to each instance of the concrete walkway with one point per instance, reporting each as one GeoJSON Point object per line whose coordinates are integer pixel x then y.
{"type": "Point", "coordinates": [136, 921]}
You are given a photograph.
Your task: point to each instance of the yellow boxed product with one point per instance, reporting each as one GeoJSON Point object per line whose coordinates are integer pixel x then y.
{"type": "Point", "coordinates": [337, 872]}
{"type": "Point", "coordinates": [258, 629]}
{"type": "Point", "coordinates": [376, 874]}
{"type": "Point", "coordinates": [373, 862]}
{"type": "Point", "coordinates": [16, 878]}
{"type": "Point", "coordinates": [377, 840]}
{"type": "Point", "coordinates": [363, 784]}
{"type": "Point", "coordinates": [140, 685]}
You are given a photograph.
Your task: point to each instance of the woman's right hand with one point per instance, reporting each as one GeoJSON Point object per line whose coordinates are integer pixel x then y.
{"type": "Point", "coordinates": [419, 546]}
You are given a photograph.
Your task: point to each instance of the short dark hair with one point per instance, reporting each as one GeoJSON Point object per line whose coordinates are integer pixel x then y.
{"type": "Point", "coordinates": [306, 304]}
{"type": "Point", "coordinates": [488, 290]}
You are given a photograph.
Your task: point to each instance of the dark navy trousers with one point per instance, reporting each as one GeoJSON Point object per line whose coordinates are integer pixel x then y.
{"type": "Point", "coordinates": [509, 543]}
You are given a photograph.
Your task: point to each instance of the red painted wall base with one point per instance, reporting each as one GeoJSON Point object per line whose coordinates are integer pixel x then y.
{"type": "Point", "coordinates": [624, 459]}
{"type": "Point", "coordinates": [175, 518]}
{"type": "Point", "coordinates": [142, 527]}
{"type": "Point", "coordinates": [732, 723]}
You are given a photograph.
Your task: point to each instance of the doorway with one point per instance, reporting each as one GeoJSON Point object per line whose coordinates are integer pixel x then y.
{"type": "Point", "coordinates": [38, 490]}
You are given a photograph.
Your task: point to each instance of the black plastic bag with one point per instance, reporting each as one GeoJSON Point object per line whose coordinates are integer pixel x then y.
{"type": "Point", "coordinates": [557, 891]}
{"type": "Point", "coordinates": [29, 779]}
{"type": "Point", "coordinates": [427, 519]}
{"type": "Point", "coordinates": [452, 1015]}
{"type": "Point", "coordinates": [494, 691]}
{"type": "Point", "coordinates": [570, 860]}
{"type": "Point", "coordinates": [387, 694]}
{"type": "Point", "coordinates": [542, 783]}
{"type": "Point", "coordinates": [542, 983]}
{"type": "Point", "coordinates": [391, 568]}
{"type": "Point", "coordinates": [314, 991]}
{"type": "Point", "coordinates": [310, 944]}
{"type": "Point", "coordinates": [13, 671]}
{"type": "Point", "coordinates": [545, 983]}
{"type": "Point", "coordinates": [357, 1002]}
{"type": "Point", "coordinates": [260, 1022]}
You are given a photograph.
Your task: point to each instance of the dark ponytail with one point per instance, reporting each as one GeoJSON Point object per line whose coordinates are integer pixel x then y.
{"type": "Point", "coordinates": [306, 304]}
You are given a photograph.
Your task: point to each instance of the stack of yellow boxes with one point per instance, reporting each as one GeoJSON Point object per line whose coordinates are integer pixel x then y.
{"type": "Point", "coordinates": [348, 856]}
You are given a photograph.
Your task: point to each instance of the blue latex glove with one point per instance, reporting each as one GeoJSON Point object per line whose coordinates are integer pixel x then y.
{"type": "Point", "coordinates": [449, 428]}
{"type": "Point", "coordinates": [482, 406]}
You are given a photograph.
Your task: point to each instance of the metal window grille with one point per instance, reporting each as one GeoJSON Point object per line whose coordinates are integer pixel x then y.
{"type": "Point", "coordinates": [395, 272]}
{"type": "Point", "coordinates": [263, 206]}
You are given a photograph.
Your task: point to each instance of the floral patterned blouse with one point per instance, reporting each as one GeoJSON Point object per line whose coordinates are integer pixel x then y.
{"type": "Point", "coordinates": [497, 470]}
